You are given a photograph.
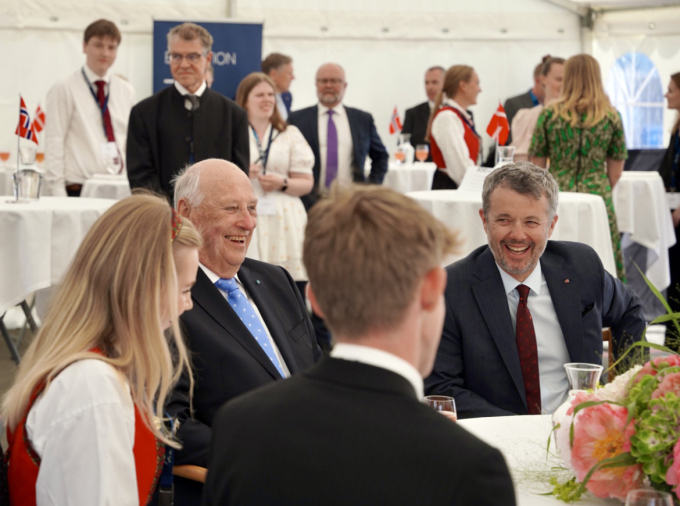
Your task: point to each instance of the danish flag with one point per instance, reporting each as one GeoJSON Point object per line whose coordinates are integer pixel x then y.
{"type": "Point", "coordinates": [25, 129]}
{"type": "Point", "coordinates": [395, 122]}
{"type": "Point", "coordinates": [39, 120]}
{"type": "Point", "coordinates": [499, 128]}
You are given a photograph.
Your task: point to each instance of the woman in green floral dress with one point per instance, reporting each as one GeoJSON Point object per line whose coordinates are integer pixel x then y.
{"type": "Point", "coordinates": [582, 136]}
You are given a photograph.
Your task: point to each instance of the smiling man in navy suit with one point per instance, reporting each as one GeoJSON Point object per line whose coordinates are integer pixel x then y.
{"type": "Point", "coordinates": [340, 137]}
{"type": "Point", "coordinates": [248, 327]}
{"type": "Point", "coordinates": [520, 308]}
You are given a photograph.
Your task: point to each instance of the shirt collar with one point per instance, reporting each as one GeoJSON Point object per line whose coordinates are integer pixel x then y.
{"type": "Point", "coordinates": [214, 277]}
{"type": "Point", "coordinates": [338, 110]}
{"type": "Point", "coordinates": [382, 359]}
{"type": "Point", "coordinates": [534, 281]}
{"type": "Point", "coordinates": [92, 77]}
{"type": "Point", "coordinates": [183, 91]}
{"type": "Point", "coordinates": [454, 104]}
{"type": "Point", "coordinates": [431, 104]}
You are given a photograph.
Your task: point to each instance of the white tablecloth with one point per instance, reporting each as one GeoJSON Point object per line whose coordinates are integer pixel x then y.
{"type": "Point", "coordinates": [523, 440]}
{"type": "Point", "coordinates": [39, 240]}
{"type": "Point", "coordinates": [410, 177]}
{"type": "Point", "coordinates": [104, 186]}
{"type": "Point", "coordinates": [643, 216]}
{"type": "Point", "coordinates": [582, 218]}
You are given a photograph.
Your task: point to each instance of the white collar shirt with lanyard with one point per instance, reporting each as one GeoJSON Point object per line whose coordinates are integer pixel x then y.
{"type": "Point", "coordinates": [91, 78]}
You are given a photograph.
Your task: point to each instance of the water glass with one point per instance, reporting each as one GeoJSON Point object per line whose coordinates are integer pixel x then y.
{"type": "Point", "coordinates": [505, 154]}
{"type": "Point", "coordinates": [445, 405]}
{"type": "Point", "coordinates": [583, 376]}
{"type": "Point", "coordinates": [648, 497]}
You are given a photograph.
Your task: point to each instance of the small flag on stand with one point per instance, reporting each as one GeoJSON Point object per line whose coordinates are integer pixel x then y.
{"type": "Point", "coordinates": [395, 122]}
{"type": "Point", "coordinates": [25, 129]}
{"type": "Point", "coordinates": [39, 120]}
{"type": "Point", "coordinates": [499, 128]}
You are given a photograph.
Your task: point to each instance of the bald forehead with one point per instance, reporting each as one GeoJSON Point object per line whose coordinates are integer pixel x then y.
{"type": "Point", "coordinates": [219, 177]}
{"type": "Point", "coordinates": [331, 70]}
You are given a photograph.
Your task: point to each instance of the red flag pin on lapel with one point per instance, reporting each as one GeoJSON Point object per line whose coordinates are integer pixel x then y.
{"type": "Point", "coordinates": [566, 281]}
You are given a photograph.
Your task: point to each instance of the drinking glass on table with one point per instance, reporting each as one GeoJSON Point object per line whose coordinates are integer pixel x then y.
{"type": "Point", "coordinates": [4, 155]}
{"type": "Point", "coordinates": [422, 150]}
{"type": "Point", "coordinates": [648, 498]}
{"type": "Point", "coordinates": [445, 405]}
{"type": "Point", "coordinates": [39, 158]}
{"type": "Point", "coordinates": [400, 155]}
{"type": "Point", "coordinates": [583, 376]}
{"type": "Point", "coordinates": [505, 155]}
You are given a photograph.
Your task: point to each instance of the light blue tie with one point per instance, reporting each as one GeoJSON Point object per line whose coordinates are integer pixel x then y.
{"type": "Point", "coordinates": [247, 315]}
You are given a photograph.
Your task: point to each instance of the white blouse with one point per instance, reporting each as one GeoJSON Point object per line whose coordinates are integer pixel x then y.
{"type": "Point", "coordinates": [83, 429]}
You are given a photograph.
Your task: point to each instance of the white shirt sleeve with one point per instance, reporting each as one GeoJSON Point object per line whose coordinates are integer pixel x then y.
{"type": "Point", "coordinates": [58, 110]}
{"type": "Point", "coordinates": [449, 133]}
{"type": "Point", "coordinates": [83, 429]}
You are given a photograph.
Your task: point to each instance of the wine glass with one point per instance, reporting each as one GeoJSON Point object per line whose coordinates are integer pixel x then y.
{"type": "Point", "coordinates": [400, 155]}
{"type": "Point", "coordinates": [583, 376]}
{"type": "Point", "coordinates": [422, 150]}
{"type": "Point", "coordinates": [4, 155]}
{"type": "Point", "coordinates": [648, 498]}
{"type": "Point", "coordinates": [40, 158]}
{"type": "Point", "coordinates": [445, 405]}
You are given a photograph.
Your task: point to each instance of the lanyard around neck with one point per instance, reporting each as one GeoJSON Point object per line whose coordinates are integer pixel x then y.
{"type": "Point", "coordinates": [101, 107]}
{"type": "Point", "coordinates": [264, 154]}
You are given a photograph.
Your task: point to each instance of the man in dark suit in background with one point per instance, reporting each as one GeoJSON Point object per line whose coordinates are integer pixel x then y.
{"type": "Point", "coordinates": [248, 327]}
{"type": "Point", "coordinates": [520, 308]}
{"type": "Point", "coordinates": [353, 430]}
{"type": "Point", "coordinates": [186, 122]}
{"type": "Point", "coordinates": [417, 118]}
{"type": "Point", "coordinates": [340, 137]}
{"type": "Point", "coordinates": [527, 100]}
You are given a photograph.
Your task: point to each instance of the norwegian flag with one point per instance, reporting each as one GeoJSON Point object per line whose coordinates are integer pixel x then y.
{"type": "Point", "coordinates": [499, 128]}
{"type": "Point", "coordinates": [38, 120]}
{"type": "Point", "coordinates": [25, 129]}
{"type": "Point", "coordinates": [395, 122]}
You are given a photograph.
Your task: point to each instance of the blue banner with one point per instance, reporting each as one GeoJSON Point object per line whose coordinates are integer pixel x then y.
{"type": "Point", "coordinates": [237, 51]}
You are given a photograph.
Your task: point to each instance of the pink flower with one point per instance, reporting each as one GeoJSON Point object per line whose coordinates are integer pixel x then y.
{"type": "Point", "coordinates": [601, 433]}
{"type": "Point", "coordinates": [673, 474]}
{"type": "Point", "coordinates": [659, 363]}
{"type": "Point", "coordinates": [670, 383]}
{"type": "Point", "coordinates": [581, 397]}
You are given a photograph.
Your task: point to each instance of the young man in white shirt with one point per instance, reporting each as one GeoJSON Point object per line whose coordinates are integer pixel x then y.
{"type": "Point", "coordinates": [87, 116]}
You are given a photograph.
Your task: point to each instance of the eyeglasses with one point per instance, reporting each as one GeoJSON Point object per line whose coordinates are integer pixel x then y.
{"type": "Point", "coordinates": [191, 57]}
{"type": "Point", "coordinates": [334, 82]}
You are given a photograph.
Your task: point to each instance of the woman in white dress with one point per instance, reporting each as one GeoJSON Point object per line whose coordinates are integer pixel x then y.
{"type": "Point", "coordinates": [81, 414]}
{"type": "Point", "coordinates": [281, 164]}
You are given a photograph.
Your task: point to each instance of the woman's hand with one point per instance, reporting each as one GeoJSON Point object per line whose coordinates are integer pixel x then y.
{"type": "Point", "coordinates": [254, 170]}
{"type": "Point", "coordinates": [271, 182]}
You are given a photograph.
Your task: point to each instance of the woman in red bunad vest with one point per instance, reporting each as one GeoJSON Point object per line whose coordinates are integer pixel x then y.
{"type": "Point", "coordinates": [81, 414]}
{"type": "Point", "coordinates": [454, 142]}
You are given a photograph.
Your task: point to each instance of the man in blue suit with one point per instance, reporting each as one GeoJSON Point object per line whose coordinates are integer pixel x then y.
{"type": "Point", "coordinates": [341, 137]}
{"type": "Point", "coordinates": [520, 308]}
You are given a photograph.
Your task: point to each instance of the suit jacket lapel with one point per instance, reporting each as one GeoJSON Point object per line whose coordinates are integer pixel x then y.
{"type": "Point", "coordinates": [493, 304]}
{"type": "Point", "coordinates": [206, 295]}
{"type": "Point", "coordinates": [257, 289]}
{"type": "Point", "coordinates": [312, 131]}
{"type": "Point", "coordinates": [354, 129]}
{"type": "Point", "coordinates": [565, 299]}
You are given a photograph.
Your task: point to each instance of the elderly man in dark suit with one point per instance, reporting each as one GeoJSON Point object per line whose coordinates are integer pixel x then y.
{"type": "Point", "coordinates": [248, 327]}
{"type": "Point", "coordinates": [353, 429]}
{"type": "Point", "coordinates": [520, 308]}
{"type": "Point", "coordinates": [186, 122]}
{"type": "Point", "coordinates": [340, 137]}
{"type": "Point", "coordinates": [417, 118]}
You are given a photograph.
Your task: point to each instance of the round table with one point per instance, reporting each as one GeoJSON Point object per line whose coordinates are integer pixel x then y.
{"type": "Point", "coordinates": [523, 440]}
{"type": "Point", "coordinates": [39, 240]}
{"type": "Point", "coordinates": [410, 177]}
{"type": "Point", "coordinates": [106, 186]}
{"type": "Point", "coordinates": [582, 218]}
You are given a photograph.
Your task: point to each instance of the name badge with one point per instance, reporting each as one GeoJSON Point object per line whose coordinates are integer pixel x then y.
{"type": "Point", "coordinates": [266, 206]}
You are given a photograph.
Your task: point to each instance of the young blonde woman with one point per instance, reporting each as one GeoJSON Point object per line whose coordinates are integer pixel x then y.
{"type": "Point", "coordinates": [82, 413]}
{"type": "Point", "coordinates": [582, 135]}
{"type": "Point", "coordinates": [455, 145]}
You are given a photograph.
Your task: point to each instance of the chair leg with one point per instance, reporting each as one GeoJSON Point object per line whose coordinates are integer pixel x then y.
{"type": "Point", "coordinates": [8, 340]}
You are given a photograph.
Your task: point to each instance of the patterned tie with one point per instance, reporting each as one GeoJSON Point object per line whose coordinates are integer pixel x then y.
{"type": "Point", "coordinates": [247, 315]}
{"type": "Point", "coordinates": [331, 150]}
{"type": "Point", "coordinates": [528, 354]}
{"type": "Point", "coordinates": [101, 97]}
{"type": "Point", "coordinates": [195, 101]}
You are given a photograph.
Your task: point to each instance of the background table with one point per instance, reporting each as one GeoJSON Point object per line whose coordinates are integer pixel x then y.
{"type": "Point", "coordinates": [39, 240]}
{"type": "Point", "coordinates": [106, 186]}
{"type": "Point", "coordinates": [410, 177]}
{"type": "Point", "coordinates": [582, 218]}
{"type": "Point", "coordinates": [523, 440]}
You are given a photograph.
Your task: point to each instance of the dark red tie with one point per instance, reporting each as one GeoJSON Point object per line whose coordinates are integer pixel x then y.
{"type": "Point", "coordinates": [528, 354]}
{"type": "Point", "coordinates": [101, 97]}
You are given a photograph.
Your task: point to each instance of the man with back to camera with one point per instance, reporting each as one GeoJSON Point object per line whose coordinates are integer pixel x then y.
{"type": "Point", "coordinates": [280, 68]}
{"type": "Point", "coordinates": [353, 429]}
{"type": "Point", "coordinates": [87, 116]}
{"type": "Point", "coordinates": [186, 122]}
{"type": "Point", "coordinates": [527, 100]}
{"type": "Point", "coordinates": [417, 118]}
{"type": "Point", "coordinates": [521, 307]}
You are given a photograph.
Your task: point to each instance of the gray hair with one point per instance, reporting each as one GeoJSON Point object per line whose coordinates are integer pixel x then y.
{"type": "Point", "coordinates": [526, 179]}
{"type": "Point", "coordinates": [192, 31]}
{"type": "Point", "coordinates": [187, 185]}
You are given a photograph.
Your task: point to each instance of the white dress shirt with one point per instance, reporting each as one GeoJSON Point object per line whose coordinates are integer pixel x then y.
{"type": "Point", "coordinates": [74, 128]}
{"type": "Point", "coordinates": [281, 106]}
{"type": "Point", "coordinates": [183, 91]}
{"type": "Point", "coordinates": [552, 350]}
{"type": "Point", "coordinates": [83, 429]}
{"type": "Point", "coordinates": [449, 133]}
{"type": "Point", "coordinates": [213, 279]}
{"type": "Point", "coordinates": [382, 359]}
{"type": "Point", "coordinates": [345, 145]}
